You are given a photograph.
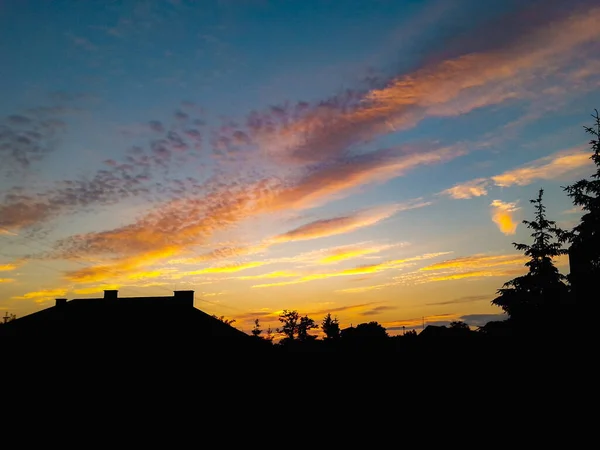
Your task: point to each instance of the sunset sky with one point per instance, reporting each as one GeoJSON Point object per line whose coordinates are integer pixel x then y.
{"type": "Point", "coordinates": [372, 159]}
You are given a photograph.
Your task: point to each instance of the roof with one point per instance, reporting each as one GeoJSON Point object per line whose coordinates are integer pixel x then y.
{"type": "Point", "coordinates": [128, 317]}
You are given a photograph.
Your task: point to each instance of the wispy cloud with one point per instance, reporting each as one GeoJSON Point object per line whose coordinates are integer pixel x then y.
{"type": "Point", "coordinates": [477, 261]}
{"type": "Point", "coordinates": [467, 267]}
{"type": "Point", "coordinates": [547, 168]}
{"type": "Point", "coordinates": [343, 253]}
{"type": "Point", "coordinates": [341, 225]}
{"type": "Point", "coordinates": [230, 268]}
{"type": "Point", "coordinates": [42, 295]}
{"type": "Point", "coordinates": [465, 299]}
{"type": "Point", "coordinates": [7, 280]}
{"type": "Point", "coordinates": [502, 215]}
{"type": "Point", "coordinates": [359, 270]}
{"type": "Point", "coordinates": [552, 167]}
{"type": "Point", "coordinates": [276, 274]}
{"type": "Point", "coordinates": [9, 267]}
{"type": "Point", "coordinates": [470, 189]}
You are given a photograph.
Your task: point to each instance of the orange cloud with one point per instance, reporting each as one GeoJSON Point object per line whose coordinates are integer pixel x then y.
{"type": "Point", "coordinates": [445, 88]}
{"type": "Point", "coordinates": [458, 85]}
{"type": "Point", "coordinates": [477, 261]}
{"type": "Point", "coordinates": [547, 168]}
{"type": "Point", "coordinates": [119, 268]}
{"type": "Point", "coordinates": [359, 290]}
{"type": "Point", "coordinates": [224, 269]}
{"type": "Point", "coordinates": [9, 267]}
{"type": "Point", "coordinates": [502, 215]}
{"type": "Point", "coordinates": [6, 280]}
{"type": "Point", "coordinates": [42, 295]}
{"type": "Point", "coordinates": [350, 252]}
{"type": "Point", "coordinates": [337, 225]}
{"type": "Point", "coordinates": [95, 289]}
{"type": "Point", "coordinates": [223, 253]}
{"type": "Point", "coordinates": [474, 266]}
{"type": "Point", "coordinates": [476, 274]}
{"type": "Point", "coordinates": [360, 270]}
{"type": "Point", "coordinates": [375, 167]}
{"type": "Point", "coordinates": [278, 274]}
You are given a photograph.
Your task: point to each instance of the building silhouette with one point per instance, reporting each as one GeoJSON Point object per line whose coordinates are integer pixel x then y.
{"type": "Point", "coordinates": [132, 319]}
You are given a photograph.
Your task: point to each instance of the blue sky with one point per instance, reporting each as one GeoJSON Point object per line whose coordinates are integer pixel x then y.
{"type": "Point", "coordinates": [373, 159]}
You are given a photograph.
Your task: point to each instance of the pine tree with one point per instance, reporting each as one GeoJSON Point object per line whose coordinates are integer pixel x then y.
{"type": "Point", "coordinates": [330, 327]}
{"type": "Point", "coordinates": [536, 296]}
{"type": "Point", "coordinates": [584, 253]}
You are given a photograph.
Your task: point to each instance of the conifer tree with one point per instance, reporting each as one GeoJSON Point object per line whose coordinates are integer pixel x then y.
{"type": "Point", "coordinates": [535, 296]}
{"type": "Point", "coordinates": [584, 253]}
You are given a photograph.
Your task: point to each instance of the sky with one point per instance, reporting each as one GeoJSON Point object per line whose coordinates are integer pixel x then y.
{"type": "Point", "coordinates": [371, 159]}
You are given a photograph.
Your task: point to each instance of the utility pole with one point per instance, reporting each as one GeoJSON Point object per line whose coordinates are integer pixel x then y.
{"type": "Point", "coordinates": [423, 322]}
{"type": "Point", "coordinates": [6, 317]}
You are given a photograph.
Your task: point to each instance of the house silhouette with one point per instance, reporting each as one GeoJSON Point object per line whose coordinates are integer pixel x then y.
{"type": "Point", "coordinates": [128, 318]}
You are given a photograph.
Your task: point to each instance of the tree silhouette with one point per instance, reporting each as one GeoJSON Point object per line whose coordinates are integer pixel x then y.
{"type": "Point", "coordinates": [256, 330]}
{"type": "Point", "coordinates": [330, 327]}
{"type": "Point", "coordinates": [289, 319]}
{"type": "Point", "coordinates": [269, 335]}
{"type": "Point", "coordinates": [531, 297]}
{"type": "Point", "coordinates": [306, 324]}
{"type": "Point", "coordinates": [224, 320]}
{"type": "Point", "coordinates": [459, 325]}
{"type": "Point", "coordinates": [371, 332]}
{"type": "Point", "coordinates": [584, 253]}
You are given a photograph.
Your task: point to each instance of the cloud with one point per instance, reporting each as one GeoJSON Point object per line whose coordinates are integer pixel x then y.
{"type": "Point", "coordinates": [483, 72]}
{"type": "Point", "coordinates": [343, 253]}
{"type": "Point", "coordinates": [135, 175]}
{"type": "Point", "coordinates": [359, 270]}
{"type": "Point", "coordinates": [502, 215]}
{"type": "Point", "coordinates": [96, 289]}
{"type": "Point", "coordinates": [418, 321]}
{"type": "Point", "coordinates": [337, 179]}
{"type": "Point", "coordinates": [477, 261]}
{"type": "Point", "coordinates": [470, 189]}
{"type": "Point", "coordinates": [224, 253]}
{"type": "Point", "coordinates": [43, 295]}
{"type": "Point", "coordinates": [361, 289]}
{"type": "Point", "coordinates": [277, 274]}
{"type": "Point", "coordinates": [377, 310]}
{"type": "Point", "coordinates": [338, 225]}
{"type": "Point", "coordinates": [7, 280]}
{"type": "Point", "coordinates": [467, 267]}
{"type": "Point", "coordinates": [550, 167]}
{"type": "Point", "coordinates": [9, 267]}
{"type": "Point", "coordinates": [465, 299]}
{"type": "Point", "coordinates": [317, 142]}
{"type": "Point", "coordinates": [225, 269]}
{"type": "Point", "coordinates": [120, 268]}
{"type": "Point", "coordinates": [28, 137]}
{"type": "Point", "coordinates": [479, 320]}
{"type": "Point", "coordinates": [546, 168]}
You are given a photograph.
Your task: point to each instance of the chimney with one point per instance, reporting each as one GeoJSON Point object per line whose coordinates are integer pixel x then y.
{"type": "Point", "coordinates": [110, 294]}
{"type": "Point", "coordinates": [60, 302]}
{"type": "Point", "coordinates": [184, 298]}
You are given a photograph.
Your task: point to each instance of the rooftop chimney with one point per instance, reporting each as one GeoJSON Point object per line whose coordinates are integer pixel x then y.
{"type": "Point", "coordinates": [111, 294]}
{"type": "Point", "coordinates": [184, 298]}
{"type": "Point", "coordinates": [61, 302]}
